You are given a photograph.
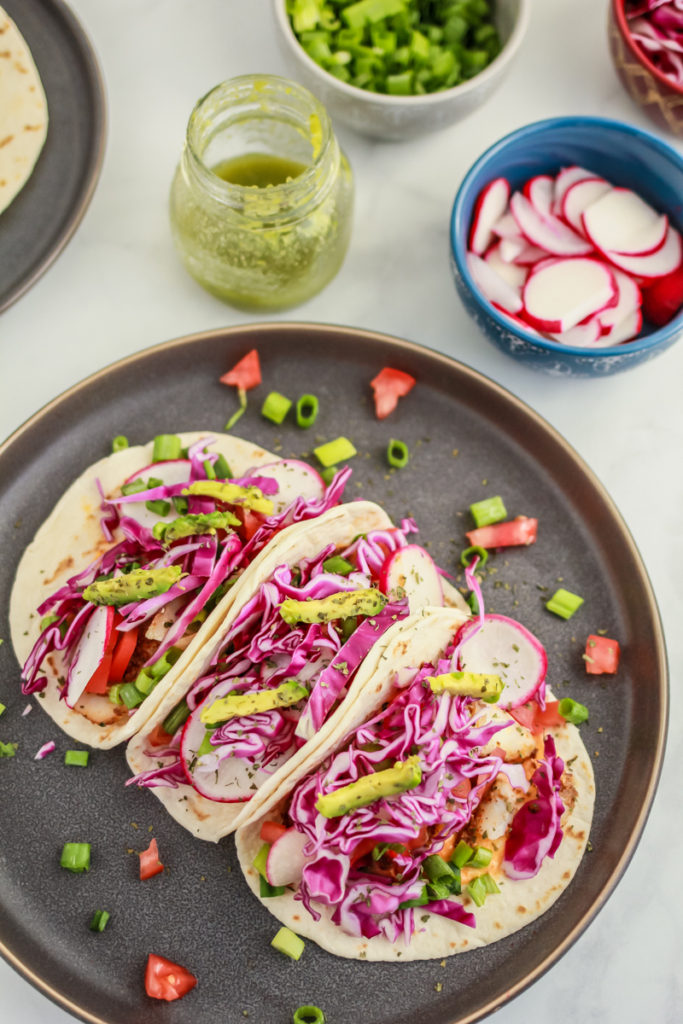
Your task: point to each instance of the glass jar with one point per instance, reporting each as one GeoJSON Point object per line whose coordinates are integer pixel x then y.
{"type": "Point", "coordinates": [261, 202]}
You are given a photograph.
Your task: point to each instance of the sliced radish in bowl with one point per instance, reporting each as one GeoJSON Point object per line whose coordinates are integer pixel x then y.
{"type": "Point", "coordinates": [540, 191]}
{"type": "Point", "coordinates": [492, 285]}
{"type": "Point", "coordinates": [567, 177]}
{"type": "Point", "coordinates": [502, 646]}
{"type": "Point", "coordinates": [579, 197]}
{"type": "Point", "coordinates": [547, 232]}
{"type": "Point", "coordinates": [561, 294]}
{"type": "Point", "coordinates": [622, 222]}
{"type": "Point", "coordinates": [490, 207]}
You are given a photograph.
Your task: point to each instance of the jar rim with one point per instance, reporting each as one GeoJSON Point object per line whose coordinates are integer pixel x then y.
{"type": "Point", "coordinates": [256, 83]}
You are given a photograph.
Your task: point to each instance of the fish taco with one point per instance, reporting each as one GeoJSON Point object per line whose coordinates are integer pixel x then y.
{"type": "Point", "coordinates": [448, 807]}
{"type": "Point", "coordinates": [134, 569]}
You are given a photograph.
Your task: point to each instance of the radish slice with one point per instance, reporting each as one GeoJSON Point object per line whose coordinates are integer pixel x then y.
{"type": "Point", "coordinates": [563, 293]}
{"type": "Point", "coordinates": [503, 647]}
{"type": "Point", "coordinates": [629, 300]}
{"type": "Point", "coordinates": [547, 232]}
{"type": "Point", "coordinates": [232, 780]}
{"type": "Point", "coordinates": [567, 177]}
{"type": "Point", "coordinates": [510, 248]}
{"type": "Point", "coordinates": [172, 471]}
{"type": "Point", "coordinates": [490, 207]}
{"type": "Point", "coordinates": [285, 862]}
{"type": "Point", "coordinates": [411, 571]}
{"type": "Point", "coordinates": [506, 227]}
{"type": "Point", "coordinates": [579, 197]}
{"type": "Point", "coordinates": [620, 221]}
{"type": "Point", "coordinates": [90, 651]}
{"type": "Point", "coordinates": [492, 285]}
{"type": "Point", "coordinates": [581, 336]}
{"type": "Point", "coordinates": [540, 191]}
{"type": "Point", "coordinates": [510, 272]}
{"type": "Point", "coordinates": [625, 330]}
{"type": "Point", "coordinates": [295, 479]}
{"type": "Point", "coordinates": [657, 264]}
{"type": "Point", "coordinates": [529, 255]}
{"type": "Point", "coordinates": [517, 321]}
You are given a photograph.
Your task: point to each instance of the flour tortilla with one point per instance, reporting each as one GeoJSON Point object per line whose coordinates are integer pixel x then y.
{"type": "Point", "coordinates": [423, 638]}
{"type": "Point", "coordinates": [210, 819]}
{"type": "Point", "coordinates": [23, 111]}
{"type": "Point", "coordinates": [68, 541]}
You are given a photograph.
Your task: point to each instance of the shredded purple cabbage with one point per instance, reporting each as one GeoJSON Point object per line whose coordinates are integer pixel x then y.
{"type": "Point", "coordinates": [536, 831]}
{"type": "Point", "coordinates": [656, 26]}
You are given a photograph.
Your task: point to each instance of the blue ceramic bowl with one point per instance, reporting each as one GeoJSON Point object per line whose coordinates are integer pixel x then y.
{"type": "Point", "coordinates": [622, 154]}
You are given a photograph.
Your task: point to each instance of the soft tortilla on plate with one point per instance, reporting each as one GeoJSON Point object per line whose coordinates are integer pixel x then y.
{"type": "Point", "coordinates": [23, 111]}
{"type": "Point", "coordinates": [415, 641]}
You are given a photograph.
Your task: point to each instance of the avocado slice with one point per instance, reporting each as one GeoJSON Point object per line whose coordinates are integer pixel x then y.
{"type": "Point", "coordinates": [342, 605]}
{"type": "Point", "coordinates": [193, 525]}
{"type": "Point", "coordinates": [232, 494]}
{"type": "Point", "coordinates": [468, 684]}
{"type": "Point", "coordinates": [237, 704]}
{"type": "Point", "coordinates": [137, 585]}
{"type": "Point", "coordinates": [403, 776]}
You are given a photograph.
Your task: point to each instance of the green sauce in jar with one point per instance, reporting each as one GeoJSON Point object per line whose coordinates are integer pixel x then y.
{"type": "Point", "coordinates": [261, 203]}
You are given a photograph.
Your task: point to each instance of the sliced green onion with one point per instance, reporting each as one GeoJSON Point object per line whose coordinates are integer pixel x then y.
{"type": "Point", "coordinates": [397, 453]}
{"type": "Point", "coordinates": [564, 603]}
{"type": "Point", "coordinates": [473, 602]}
{"type": "Point", "coordinates": [572, 711]}
{"type": "Point", "coordinates": [477, 890]}
{"type": "Point", "coordinates": [129, 695]}
{"type": "Point", "coordinates": [119, 443]}
{"type": "Point", "coordinates": [462, 854]}
{"type": "Point", "coordinates": [307, 411]}
{"type": "Point", "coordinates": [46, 621]}
{"type": "Point", "coordinates": [209, 470]}
{"type": "Point", "coordinates": [469, 554]}
{"type": "Point", "coordinates": [3, 707]}
{"type": "Point", "coordinates": [337, 564]}
{"type": "Point", "coordinates": [76, 857]}
{"type": "Point", "coordinates": [133, 487]}
{"type": "Point", "coordinates": [166, 446]}
{"type": "Point", "coordinates": [242, 396]}
{"type": "Point", "coordinates": [328, 474]}
{"type": "Point", "coordinates": [481, 859]}
{"type": "Point", "coordinates": [114, 693]}
{"type": "Point", "coordinates": [275, 407]}
{"type": "Point", "coordinates": [334, 451]}
{"type": "Point", "coordinates": [489, 883]}
{"type": "Point", "coordinates": [79, 758]}
{"type": "Point", "coordinates": [436, 867]}
{"type": "Point", "coordinates": [180, 504]}
{"type": "Point", "coordinates": [159, 507]}
{"type": "Point", "coordinates": [287, 942]}
{"type": "Point", "coordinates": [488, 510]}
{"type": "Point", "coordinates": [8, 749]}
{"type": "Point", "coordinates": [221, 468]}
{"type": "Point", "coordinates": [308, 1015]}
{"type": "Point", "coordinates": [159, 668]}
{"type": "Point", "coordinates": [267, 891]}
{"type": "Point", "coordinates": [99, 920]}
{"type": "Point", "coordinates": [176, 718]}
{"type": "Point", "coordinates": [145, 682]}
{"type": "Point", "coordinates": [259, 861]}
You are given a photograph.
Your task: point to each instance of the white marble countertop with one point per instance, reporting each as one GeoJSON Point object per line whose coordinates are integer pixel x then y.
{"type": "Point", "coordinates": [118, 288]}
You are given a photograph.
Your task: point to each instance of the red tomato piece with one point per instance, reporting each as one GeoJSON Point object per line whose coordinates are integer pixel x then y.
{"type": "Point", "coordinates": [602, 655]}
{"type": "Point", "coordinates": [245, 374]}
{"type": "Point", "coordinates": [389, 385]}
{"type": "Point", "coordinates": [364, 847]}
{"type": "Point", "coordinates": [123, 652]}
{"type": "Point", "coordinates": [158, 737]}
{"type": "Point", "coordinates": [512, 533]}
{"type": "Point", "coordinates": [536, 719]}
{"type": "Point", "coordinates": [150, 864]}
{"type": "Point", "coordinates": [166, 980]}
{"type": "Point", "coordinates": [272, 830]}
{"type": "Point", "coordinates": [99, 679]}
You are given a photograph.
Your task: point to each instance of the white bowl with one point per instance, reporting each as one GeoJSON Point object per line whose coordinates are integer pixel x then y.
{"type": "Point", "coordinates": [404, 117]}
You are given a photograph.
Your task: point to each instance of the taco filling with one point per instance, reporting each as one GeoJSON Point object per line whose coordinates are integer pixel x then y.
{"type": "Point", "coordinates": [176, 537]}
{"type": "Point", "coordinates": [284, 665]}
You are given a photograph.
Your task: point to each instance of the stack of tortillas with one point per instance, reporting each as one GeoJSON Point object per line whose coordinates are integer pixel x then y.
{"type": "Point", "coordinates": [23, 111]}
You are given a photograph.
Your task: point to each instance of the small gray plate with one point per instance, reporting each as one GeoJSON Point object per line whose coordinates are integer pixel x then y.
{"type": "Point", "coordinates": [37, 225]}
{"type": "Point", "coordinates": [468, 439]}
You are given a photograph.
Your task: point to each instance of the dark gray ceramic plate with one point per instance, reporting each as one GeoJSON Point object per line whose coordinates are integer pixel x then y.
{"type": "Point", "coordinates": [37, 225]}
{"type": "Point", "coordinates": [199, 912]}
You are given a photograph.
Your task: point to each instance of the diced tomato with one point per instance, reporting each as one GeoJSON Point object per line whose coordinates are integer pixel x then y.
{"type": "Point", "coordinates": [166, 980]}
{"type": "Point", "coordinates": [251, 521]}
{"type": "Point", "coordinates": [150, 864]}
{"type": "Point", "coordinates": [365, 847]}
{"type": "Point", "coordinates": [536, 719]}
{"type": "Point", "coordinates": [602, 655]}
{"type": "Point", "coordinates": [99, 679]}
{"type": "Point", "coordinates": [272, 830]}
{"type": "Point", "coordinates": [419, 840]}
{"type": "Point", "coordinates": [123, 652]}
{"type": "Point", "coordinates": [158, 737]}
{"type": "Point", "coordinates": [513, 532]}
{"type": "Point", "coordinates": [389, 385]}
{"type": "Point", "coordinates": [462, 789]}
{"type": "Point", "coordinates": [246, 373]}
